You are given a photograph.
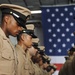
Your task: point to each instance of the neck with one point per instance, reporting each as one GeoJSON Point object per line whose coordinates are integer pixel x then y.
{"type": "Point", "coordinates": [5, 31]}
{"type": "Point", "coordinates": [22, 45]}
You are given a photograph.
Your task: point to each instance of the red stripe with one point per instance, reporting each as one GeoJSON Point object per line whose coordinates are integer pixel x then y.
{"type": "Point", "coordinates": [58, 66]}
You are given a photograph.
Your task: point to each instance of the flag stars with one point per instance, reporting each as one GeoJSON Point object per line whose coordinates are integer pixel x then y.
{"type": "Point", "coordinates": [50, 50]}
{"type": "Point", "coordinates": [50, 40]}
{"type": "Point", "coordinates": [56, 9]}
{"type": "Point", "coordinates": [63, 45]}
{"type": "Point", "coordinates": [48, 10]}
{"type": "Point", "coordinates": [49, 30]}
{"type": "Point", "coordinates": [53, 15]}
{"type": "Point", "coordinates": [62, 24]}
{"type": "Point", "coordinates": [68, 39]}
{"type": "Point", "coordinates": [54, 35]}
{"type": "Point", "coordinates": [59, 50]}
{"type": "Point", "coordinates": [54, 45]}
{"type": "Point", "coordinates": [74, 8]}
{"type": "Point", "coordinates": [66, 19]}
{"type": "Point", "coordinates": [71, 14]}
{"type": "Point", "coordinates": [53, 25]}
{"type": "Point", "coordinates": [67, 29]}
{"type": "Point", "coordinates": [66, 9]}
{"type": "Point", "coordinates": [57, 19]}
{"type": "Point", "coordinates": [59, 23]}
{"type": "Point", "coordinates": [49, 20]}
{"type": "Point", "coordinates": [58, 40]}
{"type": "Point", "coordinates": [58, 30]}
{"type": "Point", "coordinates": [62, 14]}
{"type": "Point", "coordinates": [72, 34]}
{"type": "Point", "coordinates": [71, 24]}
{"type": "Point", "coordinates": [63, 35]}
{"type": "Point", "coordinates": [72, 44]}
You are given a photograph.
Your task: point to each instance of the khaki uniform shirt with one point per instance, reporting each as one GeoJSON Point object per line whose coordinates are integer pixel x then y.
{"type": "Point", "coordinates": [37, 69]}
{"type": "Point", "coordinates": [8, 60]}
{"type": "Point", "coordinates": [42, 71]}
{"type": "Point", "coordinates": [21, 56]}
{"type": "Point", "coordinates": [45, 72]}
{"type": "Point", "coordinates": [30, 69]}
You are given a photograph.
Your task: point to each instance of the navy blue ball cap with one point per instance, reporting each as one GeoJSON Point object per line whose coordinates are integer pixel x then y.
{"type": "Point", "coordinates": [18, 12]}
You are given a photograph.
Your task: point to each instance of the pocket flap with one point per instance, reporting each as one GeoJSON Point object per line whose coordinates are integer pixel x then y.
{"type": "Point", "coordinates": [7, 55]}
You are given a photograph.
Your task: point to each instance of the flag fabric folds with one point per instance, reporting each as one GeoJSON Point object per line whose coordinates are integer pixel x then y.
{"type": "Point", "coordinates": [58, 29]}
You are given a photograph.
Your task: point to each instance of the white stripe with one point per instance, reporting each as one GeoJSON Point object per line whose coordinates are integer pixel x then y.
{"type": "Point", "coordinates": [55, 73]}
{"type": "Point", "coordinates": [57, 59]}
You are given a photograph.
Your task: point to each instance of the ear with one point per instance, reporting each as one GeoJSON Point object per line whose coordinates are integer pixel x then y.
{"type": "Point", "coordinates": [22, 37]}
{"type": "Point", "coordinates": [6, 19]}
{"type": "Point", "coordinates": [73, 53]}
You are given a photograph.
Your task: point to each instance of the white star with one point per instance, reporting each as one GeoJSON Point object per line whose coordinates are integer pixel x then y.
{"type": "Point", "coordinates": [74, 8]}
{"type": "Point", "coordinates": [49, 20]}
{"type": "Point", "coordinates": [71, 14]}
{"type": "Point", "coordinates": [54, 45]}
{"type": "Point", "coordinates": [62, 24]}
{"type": "Point", "coordinates": [59, 50]}
{"type": "Point", "coordinates": [58, 40]}
{"type": "Point", "coordinates": [56, 9]}
{"type": "Point", "coordinates": [63, 35]}
{"type": "Point", "coordinates": [67, 29]}
{"type": "Point", "coordinates": [50, 40]}
{"type": "Point", "coordinates": [71, 24]}
{"type": "Point", "coordinates": [53, 25]}
{"type": "Point", "coordinates": [50, 50]}
{"type": "Point", "coordinates": [72, 34]}
{"type": "Point", "coordinates": [57, 19]}
{"type": "Point", "coordinates": [72, 44]}
{"type": "Point", "coordinates": [54, 35]}
{"type": "Point", "coordinates": [49, 30]}
{"type": "Point", "coordinates": [48, 10]}
{"type": "Point", "coordinates": [58, 30]}
{"type": "Point", "coordinates": [66, 19]}
{"type": "Point", "coordinates": [66, 9]}
{"type": "Point", "coordinates": [62, 14]}
{"type": "Point", "coordinates": [53, 15]}
{"type": "Point", "coordinates": [63, 45]}
{"type": "Point", "coordinates": [68, 39]}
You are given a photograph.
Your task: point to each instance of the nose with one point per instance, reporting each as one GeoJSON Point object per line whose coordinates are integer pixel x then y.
{"type": "Point", "coordinates": [36, 50]}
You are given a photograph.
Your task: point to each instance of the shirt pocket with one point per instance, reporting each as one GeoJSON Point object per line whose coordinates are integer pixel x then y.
{"type": "Point", "coordinates": [7, 54]}
{"type": "Point", "coordinates": [26, 67]}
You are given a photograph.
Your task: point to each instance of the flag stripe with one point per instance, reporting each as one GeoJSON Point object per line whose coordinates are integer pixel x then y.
{"type": "Point", "coordinates": [58, 66]}
{"type": "Point", "coordinates": [57, 59]}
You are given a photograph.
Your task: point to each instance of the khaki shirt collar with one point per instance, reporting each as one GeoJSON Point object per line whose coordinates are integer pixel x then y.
{"type": "Point", "coordinates": [3, 34]}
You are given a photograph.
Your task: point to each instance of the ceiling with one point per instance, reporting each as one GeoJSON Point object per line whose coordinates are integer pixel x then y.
{"type": "Point", "coordinates": [35, 5]}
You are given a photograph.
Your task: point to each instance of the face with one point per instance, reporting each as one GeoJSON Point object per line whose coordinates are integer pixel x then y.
{"type": "Point", "coordinates": [12, 26]}
{"type": "Point", "coordinates": [40, 61]}
{"type": "Point", "coordinates": [51, 72]}
{"type": "Point", "coordinates": [32, 51]}
{"type": "Point", "coordinates": [27, 40]}
{"type": "Point", "coordinates": [45, 65]}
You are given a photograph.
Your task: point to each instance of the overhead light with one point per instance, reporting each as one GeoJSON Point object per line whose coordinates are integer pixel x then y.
{"type": "Point", "coordinates": [36, 12]}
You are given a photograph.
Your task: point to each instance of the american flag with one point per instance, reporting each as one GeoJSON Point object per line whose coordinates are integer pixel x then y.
{"type": "Point", "coordinates": [58, 27]}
